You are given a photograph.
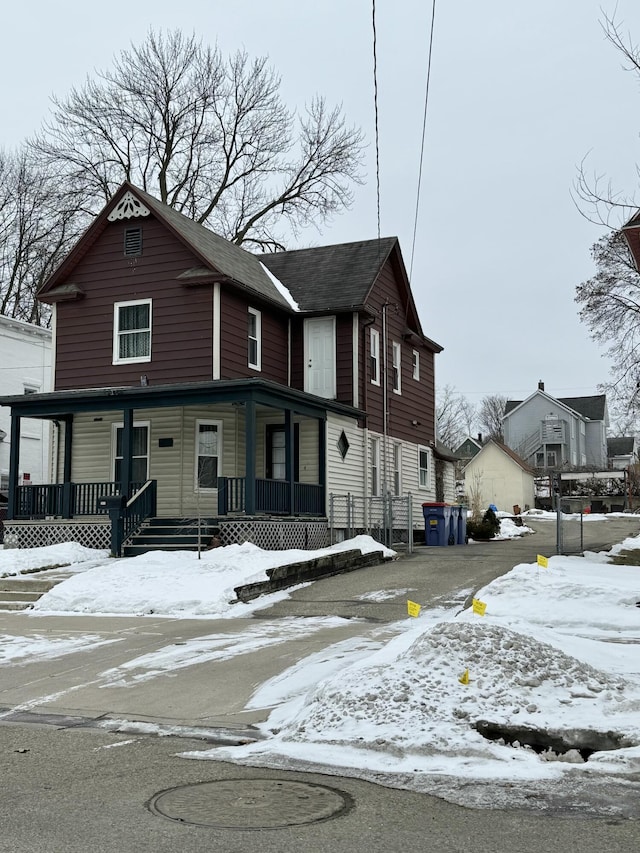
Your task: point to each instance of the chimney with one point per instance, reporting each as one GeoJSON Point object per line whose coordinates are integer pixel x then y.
{"type": "Point", "coordinates": [479, 438]}
{"type": "Point", "coordinates": [540, 385]}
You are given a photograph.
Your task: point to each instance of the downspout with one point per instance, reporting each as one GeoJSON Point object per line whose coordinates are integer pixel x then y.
{"type": "Point", "coordinates": [365, 401]}
{"type": "Point", "coordinates": [385, 402]}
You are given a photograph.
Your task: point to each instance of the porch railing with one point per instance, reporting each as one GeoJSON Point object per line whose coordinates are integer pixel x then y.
{"type": "Point", "coordinates": [141, 506]}
{"type": "Point", "coordinates": [272, 497]}
{"type": "Point", "coordinates": [65, 500]}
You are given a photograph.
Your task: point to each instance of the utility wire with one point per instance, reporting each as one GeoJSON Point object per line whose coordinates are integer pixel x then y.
{"type": "Point", "coordinates": [424, 128]}
{"type": "Point", "coordinates": [375, 103]}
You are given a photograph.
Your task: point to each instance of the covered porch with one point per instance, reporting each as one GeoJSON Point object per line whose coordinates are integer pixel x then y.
{"type": "Point", "coordinates": [228, 449]}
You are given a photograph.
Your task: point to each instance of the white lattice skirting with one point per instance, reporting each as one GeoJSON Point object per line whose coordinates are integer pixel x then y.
{"type": "Point", "coordinates": [39, 534]}
{"type": "Point", "coordinates": [275, 534]}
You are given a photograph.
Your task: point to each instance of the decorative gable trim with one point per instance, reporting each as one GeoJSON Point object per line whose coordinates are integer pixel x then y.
{"type": "Point", "coordinates": [129, 207]}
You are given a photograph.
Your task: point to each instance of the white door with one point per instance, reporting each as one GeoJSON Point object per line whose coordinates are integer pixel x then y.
{"type": "Point", "coordinates": [320, 356]}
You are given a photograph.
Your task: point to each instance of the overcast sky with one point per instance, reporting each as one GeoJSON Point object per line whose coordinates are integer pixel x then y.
{"type": "Point", "coordinates": [519, 94]}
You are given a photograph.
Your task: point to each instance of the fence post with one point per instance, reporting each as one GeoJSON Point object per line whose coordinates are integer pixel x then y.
{"type": "Point", "coordinates": [409, 523]}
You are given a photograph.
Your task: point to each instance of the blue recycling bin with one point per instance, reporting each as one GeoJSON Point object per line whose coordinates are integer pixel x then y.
{"type": "Point", "coordinates": [459, 524]}
{"type": "Point", "coordinates": [437, 524]}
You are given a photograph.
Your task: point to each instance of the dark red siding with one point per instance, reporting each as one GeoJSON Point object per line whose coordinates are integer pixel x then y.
{"type": "Point", "coordinates": [417, 400]}
{"type": "Point", "coordinates": [234, 346]}
{"type": "Point", "coordinates": [182, 322]}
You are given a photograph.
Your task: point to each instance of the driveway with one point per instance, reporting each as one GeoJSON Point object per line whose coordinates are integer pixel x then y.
{"type": "Point", "coordinates": [203, 672]}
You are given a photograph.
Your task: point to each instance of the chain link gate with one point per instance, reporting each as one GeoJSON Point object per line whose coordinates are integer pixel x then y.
{"type": "Point", "coordinates": [387, 519]}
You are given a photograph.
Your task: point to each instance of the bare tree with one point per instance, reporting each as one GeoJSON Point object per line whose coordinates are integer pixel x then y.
{"type": "Point", "coordinates": [208, 136]}
{"type": "Point", "coordinates": [596, 197]}
{"type": "Point", "coordinates": [454, 416]}
{"type": "Point", "coordinates": [491, 414]}
{"type": "Point", "coordinates": [610, 308]}
{"type": "Point", "coordinates": [35, 234]}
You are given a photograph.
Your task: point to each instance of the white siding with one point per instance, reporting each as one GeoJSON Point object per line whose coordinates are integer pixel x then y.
{"type": "Point", "coordinates": [25, 361]}
{"type": "Point", "coordinates": [345, 476]}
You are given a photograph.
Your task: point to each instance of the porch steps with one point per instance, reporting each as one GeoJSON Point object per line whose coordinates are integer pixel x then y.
{"type": "Point", "coordinates": [171, 534]}
{"type": "Point", "coordinates": [19, 593]}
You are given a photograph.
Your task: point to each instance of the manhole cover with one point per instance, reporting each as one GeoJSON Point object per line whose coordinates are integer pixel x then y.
{"type": "Point", "coordinates": [250, 803]}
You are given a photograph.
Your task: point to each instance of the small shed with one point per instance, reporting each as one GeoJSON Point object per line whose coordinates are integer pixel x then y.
{"type": "Point", "coordinates": [502, 477]}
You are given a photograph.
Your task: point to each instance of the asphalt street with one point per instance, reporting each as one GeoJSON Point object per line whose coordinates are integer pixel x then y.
{"type": "Point", "coordinates": [68, 785]}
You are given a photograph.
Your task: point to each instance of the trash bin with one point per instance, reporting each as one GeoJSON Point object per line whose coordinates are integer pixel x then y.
{"type": "Point", "coordinates": [437, 523]}
{"type": "Point", "coordinates": [459, 524]}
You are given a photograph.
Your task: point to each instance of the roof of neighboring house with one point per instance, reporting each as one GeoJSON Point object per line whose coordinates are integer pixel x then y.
{"type": "Point", "coordinates": [441, 451]}
{"type": "Point", "coordinates": [509, 452]}
{"type": "Point", "coordinates": [621, 446]}
{"type": "Point", "coordinates": [470, 439]}
{"type": "Point", "coordinates": [593, 408]}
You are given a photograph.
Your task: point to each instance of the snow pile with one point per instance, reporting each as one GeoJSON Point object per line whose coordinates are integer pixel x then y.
{"type": "Point", "coordinates": [556, 651]}
{"type": "Point", "coordinates": [179, 584]}
{"type": "Point", "coordinates": [13, 561]}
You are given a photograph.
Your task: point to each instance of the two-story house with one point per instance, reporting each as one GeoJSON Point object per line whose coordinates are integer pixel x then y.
{"type": "Point", "coordinates": [25, 368]}
{"type": "Point", "coordinates": [195, 378]}
{"type": "Point", "coordinates": [552, 433]}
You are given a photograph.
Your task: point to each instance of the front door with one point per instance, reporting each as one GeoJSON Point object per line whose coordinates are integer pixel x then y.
{"type": "Point", "coordinates": [320, 357]}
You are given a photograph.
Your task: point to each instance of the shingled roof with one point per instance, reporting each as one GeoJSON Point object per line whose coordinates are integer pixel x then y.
{"type": "Point", "coordinates": [592, 408]}
{"type": "Point", "coordinates": [219, 257]}
{"type": "Point", "coordinates": [335, 277]}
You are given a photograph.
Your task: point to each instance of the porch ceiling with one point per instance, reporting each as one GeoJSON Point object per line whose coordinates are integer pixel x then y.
{"type": "Point", "coordinates": [58, 404]}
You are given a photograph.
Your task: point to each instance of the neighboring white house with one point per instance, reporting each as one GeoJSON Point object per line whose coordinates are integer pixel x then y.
{"type": "Point", "coordinates": [502, 477]}
{"type": "Point", "coordinates": [25, 368]}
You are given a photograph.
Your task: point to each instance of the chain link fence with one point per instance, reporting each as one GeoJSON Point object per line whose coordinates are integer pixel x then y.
{"type": "Point", "coordinates": [387, 519]}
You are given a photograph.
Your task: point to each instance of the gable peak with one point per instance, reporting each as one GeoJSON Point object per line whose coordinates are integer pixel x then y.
{"type": "Point", "coordinates": [129, 207]}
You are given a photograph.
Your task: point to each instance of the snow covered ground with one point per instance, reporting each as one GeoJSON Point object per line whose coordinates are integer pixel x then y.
{"type": "Point", "coordinates": [550, 648]}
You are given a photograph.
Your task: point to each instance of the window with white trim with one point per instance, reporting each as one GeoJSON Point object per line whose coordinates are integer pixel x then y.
{"type": "Point", "coordinates": [416, 365]}
{"type": "Point", "coordinates": [208, 447]}
{"type": "Point", "coordinates": [375, 467]}
{"type": "Point", "coordinates": [423, 468]}
{"type": "Point", "coordinates": [132, 331]}
{"type": "Point", "coordinates": [254, 338]}
{"type": "Point", "coordinates": [397, 367]}
{"type": "Point", "coordinates": [374, 356]}
{"type": "Point", "coordinates": [139, 452]}
{"type": "Point", "coordinates": [397, 469]}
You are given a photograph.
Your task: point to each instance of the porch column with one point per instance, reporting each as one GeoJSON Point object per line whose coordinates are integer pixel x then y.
{"type": "Point", "coordinates": [250, 458]}
{"type": "Point", "coordinates": [14, 465]}
{"type": "Point", "coordinates": [322, 459]}
{"type": "Point", "coordinates": [126, 471]}
{"type": "Point", "coordinates": [67, 503]}
{"type": "Point", "coordinates": [289, 465]}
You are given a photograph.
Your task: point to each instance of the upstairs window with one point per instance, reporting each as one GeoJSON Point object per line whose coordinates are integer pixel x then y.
{"type": "Point", "coordinates": [374, 356]}
{"type": "Point", "coordinates": [397, 368]}
{"type": "Point", "coordinates": [133, 241]}
{"type": "Point", "coordinates": [255, 339]}
{"type": "Point", "coordinates": [132, 331]}
{"type": "Point", "coordinates": [416, 365]}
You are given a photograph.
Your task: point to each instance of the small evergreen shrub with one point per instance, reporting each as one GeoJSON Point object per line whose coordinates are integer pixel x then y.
{"type": "Point", "coordinates": [485, 529]}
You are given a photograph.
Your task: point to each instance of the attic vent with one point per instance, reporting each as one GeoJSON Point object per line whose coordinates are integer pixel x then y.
{"type": "Point", "coordinates": [133, 241]}
{"type": "Point", "coordinates": [343, 444]}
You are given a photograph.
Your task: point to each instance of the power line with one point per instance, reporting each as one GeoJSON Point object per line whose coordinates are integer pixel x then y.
{"type": "Point", "coordinates": [375, 104]}
{"type": "Point", "coordinates": [424, 129]}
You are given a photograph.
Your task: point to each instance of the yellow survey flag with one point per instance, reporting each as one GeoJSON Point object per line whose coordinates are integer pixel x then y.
{"type": "Point", "coordinates": [413, 609]}
{"type": "Point", "coordinates": [464, 678]}
{"type": "Point", "coordinates": [479, 607]}
{"type": "Point", "coordinates": [542, 561]}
